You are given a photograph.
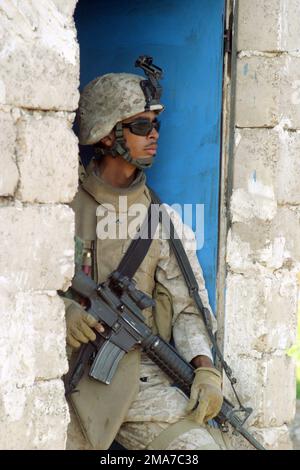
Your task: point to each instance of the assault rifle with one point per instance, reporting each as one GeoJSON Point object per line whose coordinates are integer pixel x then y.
{"type": "Point", "coordinates": [118, 305]}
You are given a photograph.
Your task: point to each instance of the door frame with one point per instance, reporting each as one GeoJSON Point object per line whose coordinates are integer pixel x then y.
{"type": "Point", "coordinates": [226, 160]}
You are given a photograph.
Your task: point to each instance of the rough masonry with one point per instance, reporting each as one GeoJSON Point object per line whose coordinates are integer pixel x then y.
{"type": "Point", "coordinates": [263, 248]}
{"type": "Point", "coordinates": [39, 78]}
{"type": "Point", "coordinates": [39, 74]}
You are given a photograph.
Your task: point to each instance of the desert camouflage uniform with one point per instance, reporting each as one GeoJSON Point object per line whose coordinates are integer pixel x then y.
{"type": "Point", "coordinates": [158, 404]}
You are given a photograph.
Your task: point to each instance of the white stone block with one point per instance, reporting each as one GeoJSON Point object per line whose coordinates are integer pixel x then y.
{"type": "Point", "coordinates": [37, 246]}
{"type": "Point", "coordinates": [290, 89]}
{"type": "Point", "coordinates": [39, 60]}
{"type": "Point", "coordinates": [259, 204]}
{"type": "Point", "coordinates": [9, 172]}
{"type": "Point", "coordinates": [275, 438]}
{"type": "Point", "coordinates": [268, 91]}
{"type": "Point", "coordinates": [258, 91]}
{"type": "Point", "coordinates": [261, 313]}
{"type": "Point", "coordinates": [290, 26]}
{"type": "Point", "coordinates": [286, 229]}
{"type": "Point", "coordinates": [258, 25]}
{"type": "Point", "coordinates": [269, 25]}
{"type": "Point", "coordinates": [256, 159]}
{"type": "Point", "coordinates": [32, 331]}
{"type": "Point", "coordinates": [50, 337]}
{"type": "Point", "coordinates": [261, 247]}
{"type": "Point", "coordinates": [47, 155]}
{"type": "Point", "coordinates": [270, 438]}
{"type": "Point", "coordinates": [267, 166]}
{"type": "Point", "coordinates": [35, 417]}
{"type": "Point", "coordinates": [267, 385]}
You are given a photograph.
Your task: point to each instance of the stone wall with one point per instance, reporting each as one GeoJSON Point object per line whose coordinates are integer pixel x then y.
{"type": "Point", "coordinates": [263, 244]}
{"type": "Point", "coordinates": [39, 76]}
{"type": "Point", "coordinates": [38, 96]}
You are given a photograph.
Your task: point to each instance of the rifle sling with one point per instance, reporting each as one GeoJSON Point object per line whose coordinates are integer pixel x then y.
{"type": "Point", "coordinates": [181, 257]}
{"type": "Point", "coordinates": [187, 272]}
{"type": "Point", "coordinates": [140, 245]}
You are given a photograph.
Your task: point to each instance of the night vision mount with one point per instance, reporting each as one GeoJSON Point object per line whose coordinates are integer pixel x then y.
{"type": "Point", "coordinates": [151, 88]}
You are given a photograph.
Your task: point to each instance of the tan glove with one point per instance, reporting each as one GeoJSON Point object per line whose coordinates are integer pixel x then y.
{"type": "Point", "coordinates": [206, 396]}
{"type": "Point", "coordinates": [79, 326]}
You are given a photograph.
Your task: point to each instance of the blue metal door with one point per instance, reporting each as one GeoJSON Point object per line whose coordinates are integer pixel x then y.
{"type": "Point", "coordinates": [185, 38]}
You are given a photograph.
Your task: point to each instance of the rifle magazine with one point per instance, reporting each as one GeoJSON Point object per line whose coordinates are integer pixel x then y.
{"type": "Point", "coordinates": [106, 362]}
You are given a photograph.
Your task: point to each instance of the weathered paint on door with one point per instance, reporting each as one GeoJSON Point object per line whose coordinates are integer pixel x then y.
{"type": "Point", "coordinates": [185, 38]}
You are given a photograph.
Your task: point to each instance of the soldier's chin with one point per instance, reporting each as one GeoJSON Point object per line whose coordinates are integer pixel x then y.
{"type": "Point", "coordinates": [147, 157]}
{"type": "Point", "coordinates": [146, 160]}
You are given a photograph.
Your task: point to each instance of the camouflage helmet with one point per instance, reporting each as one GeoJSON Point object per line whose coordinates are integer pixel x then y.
{"type": "Point", "coordinates": [107, 100]}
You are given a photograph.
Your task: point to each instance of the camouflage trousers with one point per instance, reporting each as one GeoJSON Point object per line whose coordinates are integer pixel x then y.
{"type": "Point", "coordinates": [157, 406]}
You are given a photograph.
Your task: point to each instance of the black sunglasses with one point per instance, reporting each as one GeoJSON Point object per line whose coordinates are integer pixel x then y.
{"type": "Point", "coordinates": [143, 126]}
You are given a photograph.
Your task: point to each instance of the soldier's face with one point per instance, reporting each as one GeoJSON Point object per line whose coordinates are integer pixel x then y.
{"type": "Point", "coordinates": [139, 145]}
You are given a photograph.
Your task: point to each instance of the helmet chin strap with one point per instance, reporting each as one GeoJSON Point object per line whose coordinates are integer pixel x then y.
{"type": "Point", "coordinates": [119, 149]}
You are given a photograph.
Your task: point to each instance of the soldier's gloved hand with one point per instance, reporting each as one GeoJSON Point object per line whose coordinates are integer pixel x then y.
{"type": "Point", "coordinates": [206, 396]}
{"type": "Point", "coordinates": [79, 326]}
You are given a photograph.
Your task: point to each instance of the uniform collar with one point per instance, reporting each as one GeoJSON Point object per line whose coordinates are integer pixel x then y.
{"type": "Point", "coordinates": [103, 192]}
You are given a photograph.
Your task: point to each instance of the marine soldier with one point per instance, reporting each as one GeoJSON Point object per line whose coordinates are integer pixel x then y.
{"type": "Point", "coordinates": [118, 115]}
